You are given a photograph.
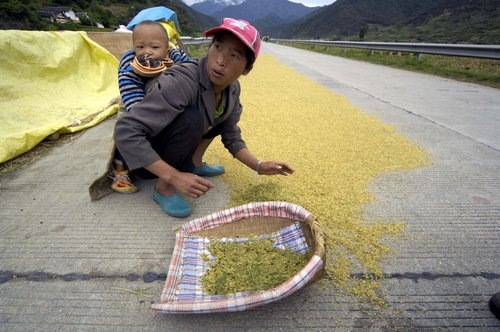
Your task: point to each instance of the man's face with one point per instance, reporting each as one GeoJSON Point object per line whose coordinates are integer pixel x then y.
{"type": "Point", "coordinates": [226, 60]}
{"type": "Point", "coordinates": [150, 40]}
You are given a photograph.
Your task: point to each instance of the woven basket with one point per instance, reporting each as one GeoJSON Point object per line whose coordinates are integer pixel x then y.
{"type": "Point", "coordinates": [245, 220]}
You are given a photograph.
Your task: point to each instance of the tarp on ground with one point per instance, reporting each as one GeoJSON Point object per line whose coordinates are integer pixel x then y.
{"type": "Point", "coordinates": [52, 82]}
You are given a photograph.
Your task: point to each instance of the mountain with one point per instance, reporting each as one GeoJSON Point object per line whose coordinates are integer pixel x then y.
{"type": "Point", "coordinates": [439, 21]}
{"type": "Point", "coordinates": [265, 14]}
{"type": "Point", "coordinates": [347, 17]}
{"type": "Point", "coordinates": [475, 21]}
{"type": "Point", "coordinates": [270, 23]}
{"type": "Point", "coordinates": [201, 20]}
{"type": "Point", "coordinates": [209, 7]}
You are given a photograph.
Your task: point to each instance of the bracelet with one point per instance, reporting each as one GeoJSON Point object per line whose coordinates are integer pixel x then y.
{"type": "Point", "coordinates": [258, 166]}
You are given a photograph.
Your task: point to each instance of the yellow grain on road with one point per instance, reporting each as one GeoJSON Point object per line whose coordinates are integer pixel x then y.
{"type": "Point", "coordinates": [336, 150]}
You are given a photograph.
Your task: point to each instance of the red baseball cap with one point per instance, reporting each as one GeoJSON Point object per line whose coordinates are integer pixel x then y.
{"type": "Point", "coordinates": [241, 29]}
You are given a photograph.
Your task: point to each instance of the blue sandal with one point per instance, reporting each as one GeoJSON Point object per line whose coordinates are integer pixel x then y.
{"type": "Point", "coordinates": [209, 170]}
{"type": "Point", "coordinates": [174, 205]}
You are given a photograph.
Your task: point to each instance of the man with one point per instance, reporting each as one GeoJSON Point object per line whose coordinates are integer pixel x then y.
{"type": "Point", "coordinates": [167, 133]}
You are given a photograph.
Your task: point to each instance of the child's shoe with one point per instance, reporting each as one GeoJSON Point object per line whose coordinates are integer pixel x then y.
{"type": "Point", "coordinates": [121, 182]}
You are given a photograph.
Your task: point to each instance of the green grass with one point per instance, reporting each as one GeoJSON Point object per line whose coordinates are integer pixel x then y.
{"type": "Point", "coordinates": [480, 71]}
{"type": "Point", "coordinates": [198, 51]}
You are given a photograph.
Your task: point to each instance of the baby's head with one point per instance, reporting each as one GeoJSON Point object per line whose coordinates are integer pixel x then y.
{"type": "Point", "coordinates": [150, 38]}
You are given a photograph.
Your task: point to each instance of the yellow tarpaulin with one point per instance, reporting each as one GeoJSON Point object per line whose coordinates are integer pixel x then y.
{"type": "Point", "coordinates": [51, 82]}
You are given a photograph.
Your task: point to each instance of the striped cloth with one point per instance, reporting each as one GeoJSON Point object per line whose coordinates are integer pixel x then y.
{"type": "Point", "coordinates": [183, 290]}
{"type": "Point", "coordinates": [189, 286]}
{"type": "Point", "coordinates": [131, 85]}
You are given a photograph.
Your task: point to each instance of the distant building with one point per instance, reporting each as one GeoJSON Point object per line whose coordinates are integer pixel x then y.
{"type": "Point", "coordinates": [58, 14]}
{"type": "Point", "coordinates": [82, 15]}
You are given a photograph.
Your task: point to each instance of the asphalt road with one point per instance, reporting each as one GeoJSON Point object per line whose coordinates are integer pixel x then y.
{"type": "Point", "coordinates": [64, 261]}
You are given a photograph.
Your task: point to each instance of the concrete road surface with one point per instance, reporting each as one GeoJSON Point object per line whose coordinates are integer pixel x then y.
{"type": "Point", "coordinates": [64, 261]}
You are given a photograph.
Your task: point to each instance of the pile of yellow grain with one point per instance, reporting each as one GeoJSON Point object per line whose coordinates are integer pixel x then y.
{"type": "Point", "coordinates": [336, 150]}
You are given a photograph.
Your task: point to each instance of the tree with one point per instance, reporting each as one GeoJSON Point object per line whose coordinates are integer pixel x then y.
{"type": "Point", "coordinates": [363, 31]}
{"type": "Point", "coordinates": [19, 15]}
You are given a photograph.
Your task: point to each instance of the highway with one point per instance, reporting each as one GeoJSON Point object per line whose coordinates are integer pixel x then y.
{"type": "Point", "coordinates": [67, 263]}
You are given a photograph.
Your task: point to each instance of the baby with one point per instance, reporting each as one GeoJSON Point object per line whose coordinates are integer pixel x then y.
{"type": "Point", "coordinates": [149, 58]}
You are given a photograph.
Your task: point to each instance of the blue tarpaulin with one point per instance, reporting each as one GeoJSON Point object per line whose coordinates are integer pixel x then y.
{"type": "Point", "coordinates": [160, 13]}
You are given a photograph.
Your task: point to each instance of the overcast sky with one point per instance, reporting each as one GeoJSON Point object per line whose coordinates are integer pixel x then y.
{"type": "Point", "coordinates": [314, 3]}
{"type": "Point", "coordinates": [309, 3]}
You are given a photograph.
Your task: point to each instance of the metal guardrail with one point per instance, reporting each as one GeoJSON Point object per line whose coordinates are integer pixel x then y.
{"type": "Point", "coordinates": [465, 50]}
{"type": "Point", "coordinates": [194, 41]}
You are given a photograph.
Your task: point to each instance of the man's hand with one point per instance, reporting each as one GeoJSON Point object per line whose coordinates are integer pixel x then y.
{"type": "Point", "coordinates": [273, 168]}
{"type": "Point", "coordinates": [190, 185]}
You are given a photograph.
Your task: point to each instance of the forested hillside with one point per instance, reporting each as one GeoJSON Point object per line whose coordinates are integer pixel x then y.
{"type": "Point", "coordinates": [476, 21]}
{"type": "Point", "coordinates": [15, 14]}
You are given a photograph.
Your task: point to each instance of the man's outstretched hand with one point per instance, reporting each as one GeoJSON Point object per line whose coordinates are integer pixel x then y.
{"type": "Point", "coordinates": [274, 167]}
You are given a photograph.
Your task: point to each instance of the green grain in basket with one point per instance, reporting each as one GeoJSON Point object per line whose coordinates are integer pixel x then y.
{"type": "Point", "coordinates": [250, 266]}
